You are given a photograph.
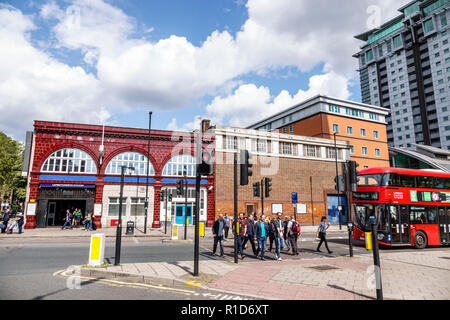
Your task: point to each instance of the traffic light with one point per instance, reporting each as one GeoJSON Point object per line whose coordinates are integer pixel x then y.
{"type": "Point", "coordinates": [180, 187]}
{"type": "Point", "coordinates": [170, 197]}
{"type": "Point", "coordinates": [161, 195]}
{"type": "Point", "coordinates": [206, 166]}
{"type": "Point", "coordinates": [267, 186]}
{"type": "Point", "coordinates": [246, 164]}
{"type": "Point", "coordinates": [256, 189]}
{"type": "Point", "coordinates": [353, 174]}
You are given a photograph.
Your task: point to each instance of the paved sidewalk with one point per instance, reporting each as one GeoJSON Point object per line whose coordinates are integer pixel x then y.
{"type": "Point", "coordinates": [412, 275]}
{"type": "Point", "coordinates": [56, 232]}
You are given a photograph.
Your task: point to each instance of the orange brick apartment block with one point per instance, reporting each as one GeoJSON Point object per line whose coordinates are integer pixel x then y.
{"type": "Point", "coordinates": [362, 125]}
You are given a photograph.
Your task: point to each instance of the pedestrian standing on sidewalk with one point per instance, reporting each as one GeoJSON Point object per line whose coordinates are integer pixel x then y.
{"type": "Point", "coordinates": [6, 215]}
{"type": "Point", "coordinates": [250, 235]}
{"type": "Point", "coordinates": [322, 232]}
{"type": "Point", "coordinates": [88, 221]}
{"type": "Point", "coordinates": [293, 233]}
{"type": "Point", "coordinates": [285, 233]}
{"type": "Point", "coordinates": [278, 225]}
{"type": "Point", "coordinates": [68, 219]}
{"type": "Point", "coordinates": [262, 232]}
{"type": "Point", "coordinates": [271, 233]}
{"type": "Point", "coordinates": [20, 222]}
{"type": "Point", "coordinates": [218, 229]}
{"type": "Point", "coordinates": [242, 231]}
{"type": "Point", "coordinates": [227, 225]}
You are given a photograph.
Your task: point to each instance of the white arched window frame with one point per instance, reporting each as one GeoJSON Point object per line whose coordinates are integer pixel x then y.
{"type": "Point", "coordinates": [69, 160]}
{"type": "Point", "coordinates": [129, 159]}
{"type": "Point", "coordinates": [178, 164]}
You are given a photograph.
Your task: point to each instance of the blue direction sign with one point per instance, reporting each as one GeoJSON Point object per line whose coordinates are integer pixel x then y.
{"type": "Point", "coordinates": [294, 198]}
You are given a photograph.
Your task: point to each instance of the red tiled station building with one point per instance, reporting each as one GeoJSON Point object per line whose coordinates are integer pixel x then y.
{"type": "Point", "coordinates": [68, 170]}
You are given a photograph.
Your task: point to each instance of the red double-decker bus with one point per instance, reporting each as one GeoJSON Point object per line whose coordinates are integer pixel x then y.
{"type": "Point", "coordinates": [412, 207]}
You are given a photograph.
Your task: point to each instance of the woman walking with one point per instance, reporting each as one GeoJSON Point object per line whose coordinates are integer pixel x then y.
{"type": "Point", "coordinates": [322, 234]}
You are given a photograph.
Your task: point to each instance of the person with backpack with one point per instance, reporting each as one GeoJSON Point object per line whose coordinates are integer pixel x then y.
{"type": "Point", "coordinates": [293, 234]}
{"type": "Point", "coordinates": [322, 234]}
{"type": "Point", "coordinates": [261, 232]}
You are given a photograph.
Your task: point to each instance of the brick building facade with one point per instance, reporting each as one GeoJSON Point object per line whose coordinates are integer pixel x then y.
{"type": "Point", "coordinates": [291, 161]}
{"type": "Point", "coordinates": [67, 169]}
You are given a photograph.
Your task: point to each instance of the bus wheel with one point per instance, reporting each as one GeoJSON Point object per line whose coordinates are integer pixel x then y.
{"type": "Point", "coordinates": [420, 240]}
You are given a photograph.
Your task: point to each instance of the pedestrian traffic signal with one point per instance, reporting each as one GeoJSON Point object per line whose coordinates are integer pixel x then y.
{"type": "Point", "coordinates": [353, 175]}
{"type": "Point", "coordinates": [180, 187]}
{"type": "Point", "coordinates": [267, 186]}
{"type": "Point", "coordinates": [206, 166]}
{"type": "Point", "coordinates": [256, 189]}
{"type": "Point", "coordinates": [246, 164]}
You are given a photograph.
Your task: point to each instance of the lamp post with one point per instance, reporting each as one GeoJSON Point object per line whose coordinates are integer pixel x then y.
{"type": "Point", "coordinates": [148, 171]}
{"type": "Point", "coordinates": [119, 223]}
{"type": "Point", "coordinates": [185, 203]}
{"type": "Point", "coordinates": [337, 181]}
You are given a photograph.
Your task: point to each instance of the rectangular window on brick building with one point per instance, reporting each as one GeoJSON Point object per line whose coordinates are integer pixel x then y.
{"type": "Point", "coordinates": [113, 209]}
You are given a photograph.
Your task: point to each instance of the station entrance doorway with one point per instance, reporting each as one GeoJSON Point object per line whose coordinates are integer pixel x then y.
{"type": "Point", "coordinates": [53, 203]}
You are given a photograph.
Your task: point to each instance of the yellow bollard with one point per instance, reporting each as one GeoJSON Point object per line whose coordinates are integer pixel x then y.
{"type": "Point", "coordinates": [368, 237]}
{"type": "Point", "coordinates": [97, 250]}
{"type": "Point", "coordinates": [201, 231]}
{"type": "Point", "coordinates": [175, 232]}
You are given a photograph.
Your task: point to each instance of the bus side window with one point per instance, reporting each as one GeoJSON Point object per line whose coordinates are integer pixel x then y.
{"type": "Point", "coordinates": [446, 183]}
{"type": "Point", "coordinates": [408, 181]}
{"type": "Point", "coordinates": [432, 215]}
{"type": "Point", "coordinates": [440, 182]}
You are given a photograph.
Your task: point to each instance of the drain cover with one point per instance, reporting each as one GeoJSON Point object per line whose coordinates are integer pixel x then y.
{"type": "Point", "coordinates": [324, 268]}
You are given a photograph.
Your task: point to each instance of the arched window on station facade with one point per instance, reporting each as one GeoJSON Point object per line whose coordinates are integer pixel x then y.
{"type": "Point", "coordinates": [69, 160]}
{"type": "Point", "coordinates": [130, 159]}
{"type": "Point", "coordinates": [180, 164]}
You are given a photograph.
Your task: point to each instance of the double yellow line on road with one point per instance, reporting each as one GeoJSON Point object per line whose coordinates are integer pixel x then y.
{"type": "Point", "coordinates": [115, 283]}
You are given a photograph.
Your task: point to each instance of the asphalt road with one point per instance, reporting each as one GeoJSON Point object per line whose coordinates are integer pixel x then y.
{"type": "Point", "coordinates": [28, 266]}
{"type": "Point", "coordinates": [26, 270]}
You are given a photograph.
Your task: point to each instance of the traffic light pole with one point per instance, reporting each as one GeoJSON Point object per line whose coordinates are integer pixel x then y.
{"type": "Point", "coordinates": [376, 258]}
{"type": "Point", "coordinates": [349, 206]}
{"type": "Point", "coordinates": [235, 207]}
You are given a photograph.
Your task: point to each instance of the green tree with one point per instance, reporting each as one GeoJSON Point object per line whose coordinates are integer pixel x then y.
{"type": "Point", "coordinates": [12, 183]}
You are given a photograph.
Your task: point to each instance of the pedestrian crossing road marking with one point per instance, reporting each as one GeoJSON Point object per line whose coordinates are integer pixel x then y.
{"type": "Point", "coordinates": [193, 284]}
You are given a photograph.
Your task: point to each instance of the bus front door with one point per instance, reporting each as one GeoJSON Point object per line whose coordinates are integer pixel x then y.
{"type": "Point", "coordinates": [399, 222]}
{"type": "Point", "coordinates": [444, 224]}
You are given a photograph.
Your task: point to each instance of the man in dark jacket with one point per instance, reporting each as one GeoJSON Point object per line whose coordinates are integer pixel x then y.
{"type": "Point", "coordinates": [261, 232]}
{"type": "Point", "coordinates": [250, 236]}
{"type": "Point", "coordinates": [6, 215]}
{"type": "Point", "coordinates": [218, 229]}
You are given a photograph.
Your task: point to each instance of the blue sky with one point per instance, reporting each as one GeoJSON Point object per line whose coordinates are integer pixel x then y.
{"type": "Point", "coordinates": [232, 61]}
